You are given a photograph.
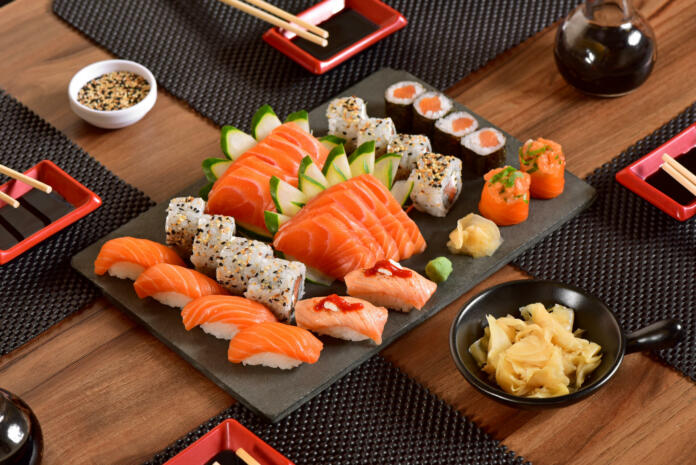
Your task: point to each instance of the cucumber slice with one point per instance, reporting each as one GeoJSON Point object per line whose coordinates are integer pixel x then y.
{"type": "Point", "coordinates": [330, 142]}
{"type": "Point", "coordinates": [253, 232]}
{"type": "Point", "coordinates": [288, 200]}
{"type": "Point", "coordinates": [317, 277]}
{"type": "Point", "coordinates": [336, 168]}
{"type": "Point", "coordinates": [310, 179]}
{"type": "Point", "coordinates": [385, 168]}
{"type": "Point", "coordinates": [263, 122]}
{"type": "Point", "coordinates": [362, 161]}
{"type": "Point", "coordinates": [301, 118]}
{"type": "Point", "coordinates": [274, 220]}
{"type": "Point", "coordinates": [213, 168]}
{"type": "Point", "coordinates": [205, 190]}
{"type": "Point", "coordinates": [402, 191]}
{"type": "Point", "coordinates": [235, 142]}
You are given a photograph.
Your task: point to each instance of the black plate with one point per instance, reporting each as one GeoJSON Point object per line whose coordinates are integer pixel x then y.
{"type": "Point", "coordinates": [275, 393]}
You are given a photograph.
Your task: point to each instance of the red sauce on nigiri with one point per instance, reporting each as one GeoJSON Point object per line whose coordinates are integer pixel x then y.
{"type": "Point", "coordinates": [390, 267]}
{"type": "Point", "coordinates": [342, 304]}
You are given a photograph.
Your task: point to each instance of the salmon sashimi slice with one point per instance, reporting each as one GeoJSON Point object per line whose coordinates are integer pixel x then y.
{"type": "Point", "coordinates": [399, 293]}
{"type": "Point", "coordinates": [287, 158]}
{"type": "Point", "coordinates": [354, 325]}
{"type": "Point", "coordinates": [224, 315]}
{"type": "Point", "coordinates": [243, 193]}
{"type": "Point", "coordinates": [274, 344]}
{"type": "Point", "coordinates": [128, 257]}
{"type": "Point", "coordinates": [325, 243]}
{"type": "Point", "coordinates": [544, 160]}
{"type": "Point", "coordinates": [175, 285]}
{"type": "Point", "coordinates": [383, 196]}
{"type": "Point", "coordinates": [263, 165]}
{"type": "Point", "coordinates": [308, 142]}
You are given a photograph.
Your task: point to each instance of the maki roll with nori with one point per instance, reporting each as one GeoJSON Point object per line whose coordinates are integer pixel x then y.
{"type": "Point", "coordinates": [427, 109]}
{"type": "Point", "coordinates": [278, 286]}
{"type": "Point", "coordinates": [214, 233]}
{"type": "Point", "coordinates": [398, 99]}
{"type": "Point", "coordinates": [411, 148]}
{"type": "Point", "coordinates": [437, 182]}
{"type": "Point", "coordinates": [345, 115]}
{"type": "Point", "coordinates": [181, 224]}
{"type": "Point", "coordinates": [483, 150]}
{"type": "Point", "coordinates": [449, 131]}
{"type": "Point", "coordinates": [379, 130]}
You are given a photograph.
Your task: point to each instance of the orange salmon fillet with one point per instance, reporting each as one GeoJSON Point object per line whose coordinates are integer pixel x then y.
{"type": "Point", "coordinates": [368, 321]}
{"type": "Point", "coordinates": [143, 252]}
{"type": "Point", "coordinates": [227, 309]}
{"type": "Point", "coordinates": [391, 291]}
{"type": "Point", "coordinates": [164, 277]}
{"type": "Point", "coordinates": [276, 338]}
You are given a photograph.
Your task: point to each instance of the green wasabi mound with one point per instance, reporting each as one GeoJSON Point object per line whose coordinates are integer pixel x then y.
{"type": "Point", "coordinates": [438, 269]}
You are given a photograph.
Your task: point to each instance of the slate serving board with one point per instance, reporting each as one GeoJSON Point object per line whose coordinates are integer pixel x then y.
{"type": "Point", "coordinates": [275, 393]}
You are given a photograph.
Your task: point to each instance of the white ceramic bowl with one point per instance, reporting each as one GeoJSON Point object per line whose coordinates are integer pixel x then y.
{"type": "Point", "coordinates": [116, 118]}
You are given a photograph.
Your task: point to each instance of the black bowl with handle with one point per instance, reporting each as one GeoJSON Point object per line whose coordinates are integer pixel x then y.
{"type": "Point", "coordinates": [591, 314]}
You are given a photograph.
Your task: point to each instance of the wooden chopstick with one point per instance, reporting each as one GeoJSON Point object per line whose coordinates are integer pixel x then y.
{"type": "Point", "coordinates": [290, 17]}
{"type": "Point", "coordinates": [276, 22]}
{"type": "Point", "coordinates": [679, 172]}
{"type": "Point", "coordinates": [9, 200]}
{"type": "Point", "coordinates": [244, 455]}
{"type": "Point", "coordinates": [25, 179]}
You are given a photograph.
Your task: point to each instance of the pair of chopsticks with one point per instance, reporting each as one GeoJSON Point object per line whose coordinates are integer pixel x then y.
{"type": "Point", "coordinates": [310, 32]}
{"type": "Point", "coordinates": [244, 455]}
{"type": "Point", "coordinates": [23, 178]}
{"type": "Point", "coordinates": [679, 173]}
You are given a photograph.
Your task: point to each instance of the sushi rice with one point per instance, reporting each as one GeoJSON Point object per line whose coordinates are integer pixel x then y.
{"type": "Point", "coordinates": [240, 260]}
{"type": "Point", "coordinates": [181, 225]}
{"type": "Point", "coordinates": [278, 285]}
{"type": "Point", "coordinates": [483, 150]}
{"type": "Point", "coordinates": [214, 233]}
{"type": "Point", "coordinates": [450, 129]}
{"type": "Point", "coordinates": [424, 118]}
{"type": "Point", "coordinates": [437, 183]}
{"type": "Point", "coordinates": [411, 148]}
{"type": "Point", "coordinates": [345, 115]}
{"type": "Point", "coordinates": [379, 130]}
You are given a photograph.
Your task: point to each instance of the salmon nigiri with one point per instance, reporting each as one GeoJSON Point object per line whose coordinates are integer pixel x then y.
{"type": "Point", "coordinates": [127, 257]}
{"type": "Point", "coordinates": [543, 159]}
{"type": "Point", "coordinates": [175, 285]}
{"type": "Point", "coordinates": [390, 285]}
{"type": "Point", "coordinates": [224, 315]}
{"type": "Point", "coordinates": [342, 317]}
{"type": "Point", "coordinates": [505, 196]}
{"type": "Point", "coordinates": [275, 345]}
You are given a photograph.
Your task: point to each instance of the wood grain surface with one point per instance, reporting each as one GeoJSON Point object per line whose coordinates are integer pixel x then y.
{"type": "Point", "coordinates": [107, 392]}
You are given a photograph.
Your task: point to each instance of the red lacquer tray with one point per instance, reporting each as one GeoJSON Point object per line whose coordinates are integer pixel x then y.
{"type": "Point", "coordinates": [633, 176]}
{"type": "Point", "coordinates": [228, 436]}
{"type": "Point", "coordinates": [82, 200]}
{"type": "Point", "coordinates": [388, 19]}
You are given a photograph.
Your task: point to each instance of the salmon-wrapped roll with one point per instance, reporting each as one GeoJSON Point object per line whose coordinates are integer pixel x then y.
{"type": "Point", "coordinates": [544, 161]}
{"type": "Point", "coordinates": [505, 196]}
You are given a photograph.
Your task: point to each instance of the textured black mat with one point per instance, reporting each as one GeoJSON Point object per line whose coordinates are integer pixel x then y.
{"type": "Point", "coordinates": [637, 259]}
{"type": "Point", "coordinates": [39, 288]}
{"type": "Point", "coordinates": [212, 56]}
{"type": "Point", "coordinates": [374, 415]}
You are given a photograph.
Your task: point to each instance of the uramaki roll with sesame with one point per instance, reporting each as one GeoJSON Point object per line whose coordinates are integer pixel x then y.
{"type": "Point", "coordinates": [437, 182]}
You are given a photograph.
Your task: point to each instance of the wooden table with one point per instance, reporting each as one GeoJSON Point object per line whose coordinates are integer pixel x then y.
{"type": "Point", "coordinates": [106, 391]}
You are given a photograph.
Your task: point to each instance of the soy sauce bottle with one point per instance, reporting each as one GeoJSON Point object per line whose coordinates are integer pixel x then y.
{"type": "Point", "coordinates": [605, 48]}
{"type": "Point", "coordinates": [21, 441]}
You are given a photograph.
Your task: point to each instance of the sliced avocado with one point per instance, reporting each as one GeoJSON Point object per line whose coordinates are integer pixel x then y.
{"type": "Point", "coordinates": [310, 179]}
{"type": "Point", "coordinates": [205, 190]}
{"type": "Point", "coordinates": [235, 142]}
{"type": "Point", "coordinates": [253, 232]}
{"type": "Point", "coordinates": [330, 141]}
{"type": "Point", "coordinates": [301, 118]}
{"type": "Point", "coordinates": [213, 168]}
{"type": "Point", "coordinates": [274, 220]}
{"type": "Point", "coordinates": [263, 122]}
{"type": "Point", "coordinates": [317, 277]}
{"type": "Point", "coordinates": [336, 168]}
{"type": "Point", "coordinates": [288, 200]}
{"type": "Point", "coordinates": [386, 167]}
{"type": "Point", "coordinates": [401, 190]}
{"type": "Point", "coordinates": [362, 161]}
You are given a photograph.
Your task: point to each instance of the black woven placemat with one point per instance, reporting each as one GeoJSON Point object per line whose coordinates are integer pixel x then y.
{"type": "Point", "coordinates": [374, 415]}
{"type": "Point", "coordinates": [212, 56]}
{"type": "Point", "coordinates": [40, 288]}
{"type": "Point", "coordinates": [637, 259]}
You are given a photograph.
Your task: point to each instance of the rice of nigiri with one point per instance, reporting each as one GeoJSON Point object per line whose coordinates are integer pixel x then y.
{"type": "Point", "coordinates": [128, 257]}
{"type": "Point", "coordinates": [342, 317]}
{"type": "Point", "coordinates": [175, 285]}
{"type": "Point", "coordinates": [223, 316]}
{"type": "Point", "coordinates": [274, 345]}
{"type": "Point", "coordinates": [383, 286]}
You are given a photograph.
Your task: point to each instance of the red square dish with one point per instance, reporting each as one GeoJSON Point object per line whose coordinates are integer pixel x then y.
{"type": "Point", "coordinates": [227, 437]}
{"type": "Point", "coordinates": [80, 199]}
{"type": "Point", "coordinates": [633, 177]}
{"type": "Point", "coordinates": [384, 17]}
